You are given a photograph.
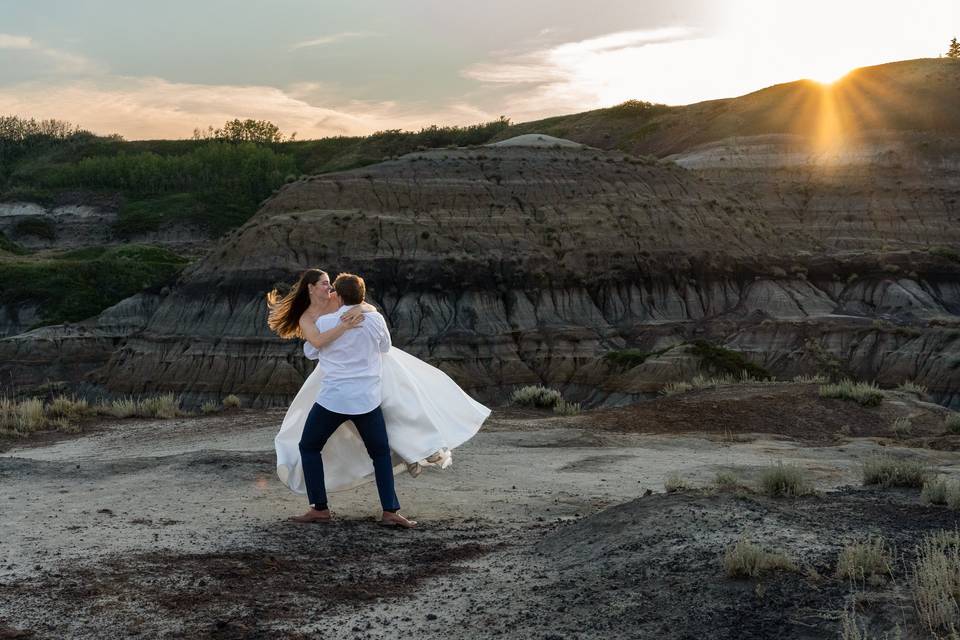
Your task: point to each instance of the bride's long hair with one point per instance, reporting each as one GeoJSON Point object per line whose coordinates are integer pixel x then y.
{"type": "Point", "coordinates": [286, 309]}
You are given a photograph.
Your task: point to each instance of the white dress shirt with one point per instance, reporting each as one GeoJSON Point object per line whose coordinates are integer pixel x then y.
{"type": "Point", "coordinates": [351, 364]}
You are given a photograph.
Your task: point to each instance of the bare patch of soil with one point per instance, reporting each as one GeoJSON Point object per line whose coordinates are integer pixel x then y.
{"type": "Point", "coordinates": [287, 577]}
{"type": "Point", "coordinates": [787, 410]}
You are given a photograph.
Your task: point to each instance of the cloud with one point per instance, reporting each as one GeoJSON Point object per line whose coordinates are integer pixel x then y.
{"type": "Point", "coordinates": [556, 63]}
{"type": "Point", "coordinates": [584, 74]}
{"type": "Point", "coordinates": [8, 41]}
{"type": "Point", "coordinates": [336, 37]}
{"type": "Point", "coordinates": [55, 60]}
{"type": "Point", "coordinates": [149, 107]}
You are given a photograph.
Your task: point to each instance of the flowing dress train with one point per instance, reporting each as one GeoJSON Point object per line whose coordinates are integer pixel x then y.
{"type": "Point", "coordinates": [424, 410]}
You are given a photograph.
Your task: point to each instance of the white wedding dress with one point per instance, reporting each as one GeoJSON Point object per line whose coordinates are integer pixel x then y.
{"type": "Point", "coordinates": [424, 410]}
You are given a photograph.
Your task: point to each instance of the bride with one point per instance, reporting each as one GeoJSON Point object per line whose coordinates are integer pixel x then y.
{"type": "Point", "coordinates": [426, 413]}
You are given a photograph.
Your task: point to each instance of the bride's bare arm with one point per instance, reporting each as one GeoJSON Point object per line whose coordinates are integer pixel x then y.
{"type": "Point", "coordinates": [321, 339]}
{"type": "Point", "coordinates": [363, 307]}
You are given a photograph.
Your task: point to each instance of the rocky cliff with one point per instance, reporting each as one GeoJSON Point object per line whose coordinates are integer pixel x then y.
{"type": "Point", "coordinates": [512, 265]}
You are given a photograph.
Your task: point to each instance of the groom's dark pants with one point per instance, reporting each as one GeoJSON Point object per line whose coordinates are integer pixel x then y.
{"type": "Point", "coordinates": [320, 425]}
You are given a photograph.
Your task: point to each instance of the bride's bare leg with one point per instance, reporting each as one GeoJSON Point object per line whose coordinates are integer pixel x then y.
{"type": "Point", "coordinates": [313, 515]}
{"type": "Point", "coordinates": [394, 519]}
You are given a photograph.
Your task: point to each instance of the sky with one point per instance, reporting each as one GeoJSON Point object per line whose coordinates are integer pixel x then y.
{"type": "Point", "coordinates": [147, 69]}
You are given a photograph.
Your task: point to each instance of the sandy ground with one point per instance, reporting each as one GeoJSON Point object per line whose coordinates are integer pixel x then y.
{"type": "Point", "coordinates": [176, 529]}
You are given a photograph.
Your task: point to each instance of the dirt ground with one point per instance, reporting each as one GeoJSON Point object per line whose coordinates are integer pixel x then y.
{"type": "Point", "coordinates": [545, 527]}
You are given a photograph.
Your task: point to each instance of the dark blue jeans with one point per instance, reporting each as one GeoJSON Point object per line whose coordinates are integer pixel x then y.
{"type": "Point", "coordinates": [320, 425]}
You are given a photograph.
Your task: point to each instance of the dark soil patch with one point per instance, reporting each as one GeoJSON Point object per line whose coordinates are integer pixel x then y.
{"type": "Point", "coordinates": [288, 577]}
{"type": "Point", "coordinates": [652, 568]}
{"type": "Point", "coordinates": [787, 410]}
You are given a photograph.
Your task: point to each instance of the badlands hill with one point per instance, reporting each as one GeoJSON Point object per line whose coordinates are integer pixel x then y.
{"type": "Point", "coordinates": [908, 96]}
{"type": "Point", "coordinates": [599, 271]}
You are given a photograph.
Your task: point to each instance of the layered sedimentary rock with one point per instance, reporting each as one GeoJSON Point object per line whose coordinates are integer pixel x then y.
{"type": "Point", "coordinates": [69, 353]}
{"type": "Point", "coordinates": [511, 265]}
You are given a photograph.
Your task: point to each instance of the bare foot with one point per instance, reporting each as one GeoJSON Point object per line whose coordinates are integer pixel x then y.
{"type": "Point", "coordinates": [313, 515]}
{"type": "Point", "coordinates": [391, 519]}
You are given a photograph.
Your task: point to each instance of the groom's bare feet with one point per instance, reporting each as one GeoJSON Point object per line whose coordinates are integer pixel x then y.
{"type": "Point", "coordinates": [392, 519]}
{"type": "Point", "coordinates": [313, 515]}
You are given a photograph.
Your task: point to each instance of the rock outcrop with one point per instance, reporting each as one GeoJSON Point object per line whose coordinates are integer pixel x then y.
{"type": "Point", "coordinates": [511, 265]}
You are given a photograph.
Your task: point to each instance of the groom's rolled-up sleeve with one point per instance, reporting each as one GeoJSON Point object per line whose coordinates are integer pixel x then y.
{"type": "Point", "coordinates": [311, 351]}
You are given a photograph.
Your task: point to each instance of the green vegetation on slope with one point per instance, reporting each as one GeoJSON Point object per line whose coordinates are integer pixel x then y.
{"type": "Point", "coordinates": [9, 246]}
{"type": "Point", "coordinates": [726, 361]}
{"type": "Point", "coordinates": [76, 285]}
{"type": "Point", "coordinates": [216, 181]}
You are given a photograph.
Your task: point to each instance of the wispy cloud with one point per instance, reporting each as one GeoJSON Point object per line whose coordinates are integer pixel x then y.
{"type": "Point", "coordinates": [61, 61]}
{"type": "Point", "coordinates": [331, 39]}
{"type": "Point", "coordinates": [555, 63]}
{"type": "Point", "coordinates": [147, 107]}
{"type": "Point", "coordinates": [8, 41]}
{"type": "Point", "coordinates": [582, 74]}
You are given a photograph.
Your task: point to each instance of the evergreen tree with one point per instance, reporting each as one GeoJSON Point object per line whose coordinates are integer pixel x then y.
{"type": "Point", "coordinates": [954, 50]}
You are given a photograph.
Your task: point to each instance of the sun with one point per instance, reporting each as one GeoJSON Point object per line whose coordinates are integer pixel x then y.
{"type": "Point", "coordinates": [827, 72]}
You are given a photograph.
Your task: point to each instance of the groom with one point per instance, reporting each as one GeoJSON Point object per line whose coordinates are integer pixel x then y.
{"type": "Point", "coordinates": [352, 369]}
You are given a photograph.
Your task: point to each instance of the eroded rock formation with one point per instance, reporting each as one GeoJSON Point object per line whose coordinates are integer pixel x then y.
{"type": "Point", "coordinates": [510, 265]}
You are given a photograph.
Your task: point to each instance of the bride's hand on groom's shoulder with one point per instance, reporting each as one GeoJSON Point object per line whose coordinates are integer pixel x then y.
{"type": "Point", "coordinates": [351, 319]}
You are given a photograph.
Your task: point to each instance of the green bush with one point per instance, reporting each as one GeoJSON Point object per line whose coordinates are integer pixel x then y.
{"type": "Point", "coordinates": [75, 286]}
{"type": "Point", "coordinates": [626, 358]}
{"type": "Point", "coordinates": [727, 361]}
{"type": "Point", "coordinates": [637, 108]}
{"type": "Point", "coordinates": [536, 396]}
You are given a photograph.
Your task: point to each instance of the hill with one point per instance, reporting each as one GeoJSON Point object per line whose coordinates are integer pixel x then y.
{"type": "Point", "coordinates": [912, 95]}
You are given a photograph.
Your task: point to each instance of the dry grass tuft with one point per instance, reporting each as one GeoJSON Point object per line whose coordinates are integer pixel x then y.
{"type": "Point", "coordinates": [747, 560]}
{"type": "Point", "coordinates": [163, 406]}
{"type": "Point", "coordinates": [909, 386]}
{"type": "Point", "coordinates": [935, 581]}
{"type": "Point", "coordinates": [888, 471]}
{"type": "Point", "coordinates": [565, 408]}
{"type": "Point", "coordinates": [70, 409]}
{"type": "Point", "coordinates": [120, 408]}
{"type": "Point", "coordinates": [808, 379]}
{"type": "Point", "coordinates": [674, 483]}
{"type": "Point", "coordinates": [864, 393]}
{"type": "Point", "coordinates": [784, 480]}
{"type": "Point", "coordinates": [939, 490]}
{"type": "Point", "coordinates": [209, 407]}
{"type": "Point", "coordinates": [674, 388]}
{"type": "Point", "coordinates": [231, 402]}
{"type": "Point", "coordinates": [852, 629]}
{"type": "Point", "coordinates": [20, 417]}
{"type": "Point", "coordinates": [952, 423]}
{"type": "Point", "coordinates": [902, 427]}
{"type": "Point", "coordinates": [866, 559]}
{"type": "Point", "coordinates": [726, 480]}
